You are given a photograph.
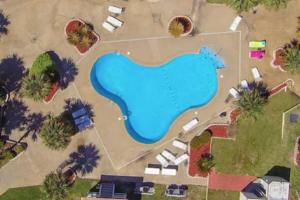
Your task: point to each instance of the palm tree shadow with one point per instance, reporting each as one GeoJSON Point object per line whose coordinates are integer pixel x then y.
{"type": "Point", "coordinates": [66, 68]}
{"type": "Point", "coordinates": [12, 72]}
{"type": "Point", "coordinates": [15, 116]}
{"type": "Point", "coordinates": [73, 104]}
{"type": "Point", "coordinates": [85, 159]}
{"type": "Point", "coordinates": [34, 123]}
{"type": "Point", "coordinates": [261, 87]}
{"type": "Point", "coordinates": [4, 22]}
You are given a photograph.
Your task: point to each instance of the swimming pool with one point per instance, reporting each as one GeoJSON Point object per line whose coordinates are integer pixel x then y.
{"type": "Point", "coordinates": [152, 98]}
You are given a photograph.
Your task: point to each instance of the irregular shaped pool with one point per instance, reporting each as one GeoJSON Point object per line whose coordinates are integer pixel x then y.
{"type": "Point", "coordinates": [153, 97]}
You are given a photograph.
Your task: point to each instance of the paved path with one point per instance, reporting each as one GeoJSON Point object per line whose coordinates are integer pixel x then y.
{"type": "Point", "coordinates": [229, 182]}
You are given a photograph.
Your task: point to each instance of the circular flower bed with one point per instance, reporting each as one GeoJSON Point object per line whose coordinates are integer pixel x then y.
{"type": "Point", "coordinates": [278, 59]}
{"type": "Point", "coordinates": [180, 26]}
{"type": "Point", "coordinates": [80, 35]}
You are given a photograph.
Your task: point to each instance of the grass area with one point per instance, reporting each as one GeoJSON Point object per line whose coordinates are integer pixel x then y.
{"type": "Point", "coordinates": [195, 193]}
{"type": "Point", "coordinates": [79, 189]}
{"type": "Point", "coordinates": [224, 195]}
{"type": "Point", "coordinates": [258, 146]}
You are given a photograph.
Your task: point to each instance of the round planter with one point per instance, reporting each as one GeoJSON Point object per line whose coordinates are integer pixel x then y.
{"type": "Point", "coordinates": [186, 21]}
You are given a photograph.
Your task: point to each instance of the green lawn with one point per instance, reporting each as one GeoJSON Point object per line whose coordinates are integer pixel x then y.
{"type": "Point", "coordinates": [195, 193]}
{"type": "Point", "coordinates": [79, 189]}
{"type": "Point", "coordinates": [224, 195]}
{"type": "Point", "coordinates": [258, 146]}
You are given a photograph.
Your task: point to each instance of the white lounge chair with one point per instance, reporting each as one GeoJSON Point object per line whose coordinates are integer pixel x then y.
{"type": "Point", "coordinates": [169, 172]}
{"type": "Point", "coordinates": [233, 92]}
{"type": "Point", "coordinates": [108, 27]}
{"type": "Point", "coordinates": [115, 10]}
{"type": "Point", "coordinates": [168, 155]}
{"type": "Point", "coordinates": [152, 170]}
{"type": "Point", "coordinates": [256, 74]}
{"type": "Point", "coordinates": [244, 84]}
{"type": "Point", "coordinates": [181, 158]}
{"type": "Point", "coordinates": [235, 23]}
{"type": "Point", "coordinates": [190, 125]}
{"type": "Point", "coordinates": [162, 160]}
{"type": "Point", "coordinates": [179, 144]}
{"type": "Point", "coordinates": [114, 21]}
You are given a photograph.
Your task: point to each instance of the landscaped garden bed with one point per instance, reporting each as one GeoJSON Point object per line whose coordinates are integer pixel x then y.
{"type": "Point", "coordinates": [8, 151]}
{"type": "Point", "coordinates": [180, 26]}
{"type": "Point", "coordinates": [42, 81]}
{"type": "Point", "coordinates": [278, 59]}
{"type": "Point", "coordinates": [80, 35]}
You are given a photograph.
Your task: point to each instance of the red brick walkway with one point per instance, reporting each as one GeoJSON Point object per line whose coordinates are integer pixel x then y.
{"type": "Point", "coordinates": [229, 182]}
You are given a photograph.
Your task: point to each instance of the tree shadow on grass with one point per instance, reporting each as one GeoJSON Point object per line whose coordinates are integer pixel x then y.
{"type": "Point", "coordinates": [4, 22]}
{"type": "Point", "coordinates": [85, 159]}
{"type": "Point", "coordinates": [66, 68]}
{"type": "Point", "coordinates": [12, 71]}
{"type": "Point", "coordinates": [73, 104]}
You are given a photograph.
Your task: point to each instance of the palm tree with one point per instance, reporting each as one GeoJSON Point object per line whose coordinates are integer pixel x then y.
{"type": "Point", "coordinates": [252, 100]}
{"type": "Point", "coordinates": [292, 56]}
{"type": "Point", "coordinates": [205, 164]}
{"type": "Point", "coordinates": [86, 41]}
{"type": "Point", "coordinates": [74, 38]}
{"type": "Point", "coordinates": [55, 186]}
{"type": "Point", "coordinates": [176, 28]}
{"type": "Point", "coordinates": [242, 5]}
{"type": "Point", "coordinates": [275, 4]}
{"type": "Point", "coordinates": [56, 133]}
{"type": "Point", "coordinates": [36, 87]}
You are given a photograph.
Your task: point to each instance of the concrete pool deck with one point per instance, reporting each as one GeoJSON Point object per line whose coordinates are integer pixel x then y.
{"type": "Point", "coordinates": [148, 52]}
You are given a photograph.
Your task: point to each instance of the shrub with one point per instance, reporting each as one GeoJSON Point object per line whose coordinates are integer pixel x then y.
{"type": "Point", "coordinates": [176, 28]}
{"type": "Point", "coordinates": [1, 144]}
{"type": "Point", "coordinates": [55, 186]}
{"type": "Point", "coordinates": [43, 64]}
{"type": "Point", "coordinates": [56, 133]}
{"type": "Point", "coordinates": [205, 164]}
{"type": "Point", "coordinates": [199, 140]}
{"type": "Point", "coordinates": [36, 87]}
{"type": "Point", "coordinates": [8, 155]}
{"type": "Point", "coordinates": [19, 148]}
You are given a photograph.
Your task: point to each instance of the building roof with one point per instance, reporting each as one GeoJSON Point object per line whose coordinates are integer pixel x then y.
{"type": "Point", "coordinates": [267, 187]}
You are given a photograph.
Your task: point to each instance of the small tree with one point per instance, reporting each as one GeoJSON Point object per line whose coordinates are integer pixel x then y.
{"type": "Point", "coordinates": [252, 101]}
{"type": "Point", "coordinates": [176, 28]}
{"type": "Point", "coordinates": [291, 56]}
{"type": "Point", "coordinates": [55, 186]}
{"type": "Point", "coordinates": [36, 87]}
{"type": "Point", "coordinates": [56, 133]}
{"type": "Point", "coordinates": [86, 41]}
{"type": "Point", "coordinates": [205, 164]}
{"type": "Point", "coordinates": [199, 140]}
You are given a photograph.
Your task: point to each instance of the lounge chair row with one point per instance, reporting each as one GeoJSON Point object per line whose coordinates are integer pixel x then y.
{"type": "Point", "coordinates": [163, 171]}
{"type": "Point", "coordinates": [112, 23]}
{"type": "Point", "coordinates": [166, 157]}
{"type": "Point", "coordinates": [244, 84]}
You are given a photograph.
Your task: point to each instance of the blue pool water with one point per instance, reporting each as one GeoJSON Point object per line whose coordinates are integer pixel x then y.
{"type": "Point", "coordinates": [153, 97]}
